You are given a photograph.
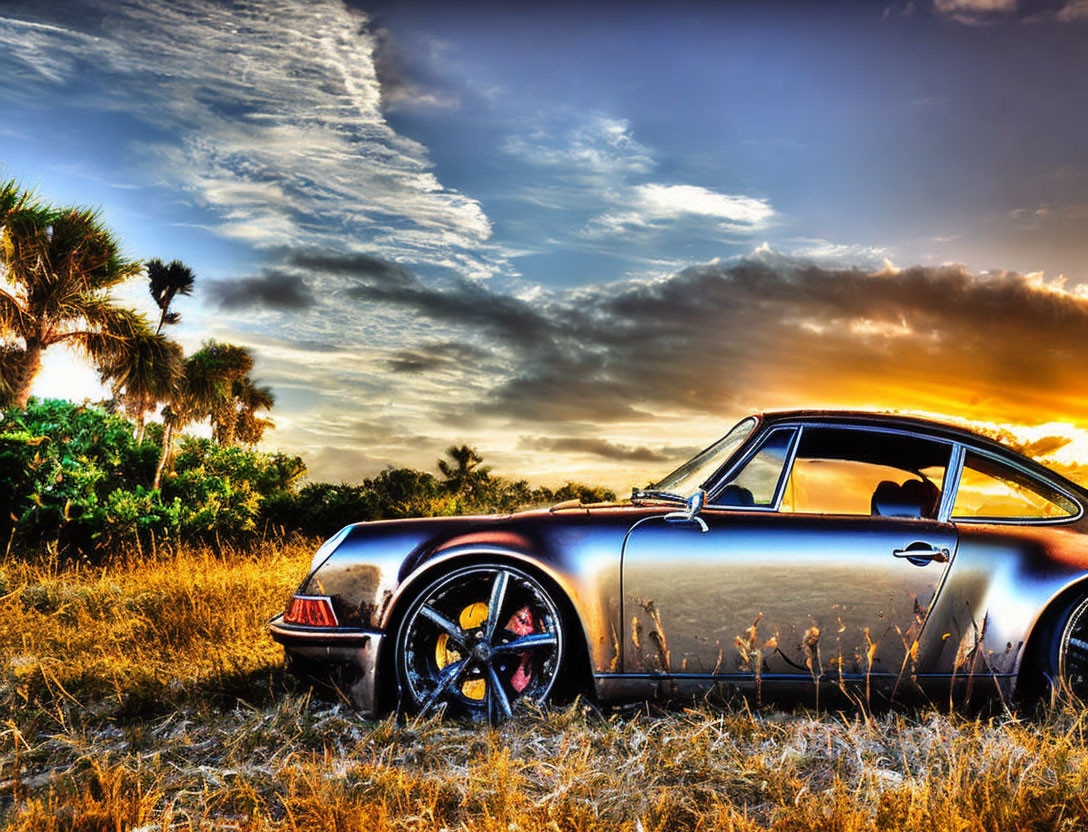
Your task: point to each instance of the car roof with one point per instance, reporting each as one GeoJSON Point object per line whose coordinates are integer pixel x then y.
{"type": "Point", "coordinates": [919, 425]}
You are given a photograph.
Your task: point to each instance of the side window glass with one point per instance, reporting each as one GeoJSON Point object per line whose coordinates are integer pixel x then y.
{"type": "Point", "coordinates": [863, 472]}
{"type": "Point", "coordinates": [990, 489]}
{"type": "Point", "coordinates": [757, 482]}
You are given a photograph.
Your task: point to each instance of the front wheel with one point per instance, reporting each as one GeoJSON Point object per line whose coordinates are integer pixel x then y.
{"type": "Point", "coordinates": [479, 641]}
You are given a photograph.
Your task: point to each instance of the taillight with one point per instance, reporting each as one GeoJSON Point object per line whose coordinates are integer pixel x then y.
{"type": "Point", "coordinates": [310, 611]}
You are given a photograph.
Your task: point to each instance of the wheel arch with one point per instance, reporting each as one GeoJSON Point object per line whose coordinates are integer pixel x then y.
{"type": "Point", "coordinates": [1041, 631]}
{"type": "Point", "coordinates": [577, 659]}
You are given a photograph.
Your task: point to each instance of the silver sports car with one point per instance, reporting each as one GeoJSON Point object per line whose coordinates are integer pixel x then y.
{"type": "Point", "coordinates": [875, 555]}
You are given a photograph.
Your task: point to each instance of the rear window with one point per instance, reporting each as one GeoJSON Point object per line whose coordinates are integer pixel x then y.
{"type": "Point", "coordinates": [992, 490]}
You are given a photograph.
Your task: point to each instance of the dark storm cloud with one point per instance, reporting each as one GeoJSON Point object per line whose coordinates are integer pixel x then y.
{"type": "Point", "coordinates": [362, 266]}
{"type": "Point", "coordinates": [465, 302]}
{"type": "Point", "coordinates": [405, 77]}
{"type": "Point", "coordinates": [271, 290]}
{"type": "Point", "coordinates": [605, 449]}
{"type": "Point", "coordinates": [713, 336]}
{"type": "Point", "coordinates": [437, 356]}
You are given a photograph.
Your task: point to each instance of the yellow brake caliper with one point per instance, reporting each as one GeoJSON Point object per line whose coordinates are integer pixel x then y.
{"type": "Point", "coordinates": [471, 616]}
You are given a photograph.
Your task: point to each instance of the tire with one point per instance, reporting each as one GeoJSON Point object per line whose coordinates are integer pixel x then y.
{"type": "Point", "coordinates": [1061, 664]}
{"type": "Point", "coordinates": [478, 642]}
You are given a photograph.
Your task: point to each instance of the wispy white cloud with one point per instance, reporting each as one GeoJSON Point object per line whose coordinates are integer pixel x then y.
{"type": "Point", "coordinates": [652, 206]}
{"type": "Point", "coordinates": [599, 145]}
{"type": "Point", "coordinates": [826, 252]}
{"type": "Point", "coordinates": [273, 113]}
{"type": "Point", "coordinates": [597, 163]}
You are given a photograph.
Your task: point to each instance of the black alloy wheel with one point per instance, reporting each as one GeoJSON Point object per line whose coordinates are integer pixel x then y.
{"type": "Point", "coordinates": [478, 642]}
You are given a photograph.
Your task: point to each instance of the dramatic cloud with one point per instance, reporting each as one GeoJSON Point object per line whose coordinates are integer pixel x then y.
{"type": "Point", "coordinates": [438, 356]}
{"type": "Point", "coordinates": [466, 304]}
{"type": "Point", "coordinates": [774, 330]}
{"type": "Point", "coordinates": [271, 290]}
{"type": "Point", "coordinates": [361, 266]}
{"type": "Point", "coordinates": [279, 133]}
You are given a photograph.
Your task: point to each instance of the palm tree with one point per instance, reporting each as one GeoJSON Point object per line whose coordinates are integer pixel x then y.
{"type": "Point", "coordinates": [215, 379]}
{"type": "Point", "coordinates": [239, 422]}
{"type": "Point", "coordinates": [465, 473]}
{"type": "Point", "coordinates": [168, 281]}
{"type": "Point", "coordinates": [58, 268]}
{"type": "Point", "coordinates": [146, 373]}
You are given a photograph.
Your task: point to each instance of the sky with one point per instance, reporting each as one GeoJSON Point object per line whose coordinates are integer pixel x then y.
{"type": "Point", "coordinates": [584, 238]}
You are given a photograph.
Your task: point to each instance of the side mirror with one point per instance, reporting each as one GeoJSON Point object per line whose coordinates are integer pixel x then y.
{"type": "Point", "coordinates": [691, 511]}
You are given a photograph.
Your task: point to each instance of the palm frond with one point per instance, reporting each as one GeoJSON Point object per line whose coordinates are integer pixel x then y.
{"type": "Point", "coordinates": [100, 314]}
{"type": "Point", "coordinates": [147, 369]}
{"type": "Point", "coordinates": [168, 280]}
{"type": "Point", "coordinates": [13, 319]}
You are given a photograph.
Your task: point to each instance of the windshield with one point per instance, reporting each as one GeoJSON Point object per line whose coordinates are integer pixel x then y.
{"type": "Point", "coordinates": [685, 480]}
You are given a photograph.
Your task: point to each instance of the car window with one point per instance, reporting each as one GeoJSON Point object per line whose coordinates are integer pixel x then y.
{"type": "Point", "coordinates": [866, 472]}
{"type": "Point", "coordinates": [756, 484]}
{"type": "Point", "coordinates": [694, 473]}
{"type": "Point", "coordinates": [991, 489]}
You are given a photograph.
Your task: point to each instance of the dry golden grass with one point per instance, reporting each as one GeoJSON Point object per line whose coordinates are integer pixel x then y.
{"type": "Point", "coordinates": [147, 696]}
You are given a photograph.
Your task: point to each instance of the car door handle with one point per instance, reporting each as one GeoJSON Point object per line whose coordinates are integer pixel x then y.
{"type": "Point", "coordinates": [922, 553]}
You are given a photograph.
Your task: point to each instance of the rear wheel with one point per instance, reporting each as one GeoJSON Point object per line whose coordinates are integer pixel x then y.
{"type": "Point", "coordinates": [478, 642]}
{"type": "Point", "coordinates": [1058, 663]}
{"type": "Point", "coordinates": [1072, 651]}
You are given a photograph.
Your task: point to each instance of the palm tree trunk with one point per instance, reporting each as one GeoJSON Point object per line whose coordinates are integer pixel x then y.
{"type": "Point", "coordinates": [167, 443]}
{"type": "Point", "coordinates": [28, 370]}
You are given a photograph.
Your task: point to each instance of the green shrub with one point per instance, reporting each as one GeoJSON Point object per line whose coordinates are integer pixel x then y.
{"type": "Point", "coordinates": [74, 479]}
{"type": "Point", "coordinates": [59, 462]}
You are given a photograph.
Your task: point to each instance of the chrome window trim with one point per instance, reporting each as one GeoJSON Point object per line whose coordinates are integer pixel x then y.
{"type": "Point", "coordinates": [799, 427]}
{"type": "Point", "coordinates": [1017, 521]}
{"type": "Point", "coordinates": [951, 486]}
{"type": "Point", "coordinates": [787, 469]}
{"type": "Point", "coordinates": [745, 458]}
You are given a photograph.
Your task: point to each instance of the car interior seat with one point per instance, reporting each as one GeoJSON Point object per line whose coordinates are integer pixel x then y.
{"type": "Point", "coordinates": [735, 495]}
{"type": "Point", "coordinates": [914, 498]}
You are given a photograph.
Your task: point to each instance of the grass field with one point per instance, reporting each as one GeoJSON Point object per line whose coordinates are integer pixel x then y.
{"type": "Point", "coordinates": [147, 696]}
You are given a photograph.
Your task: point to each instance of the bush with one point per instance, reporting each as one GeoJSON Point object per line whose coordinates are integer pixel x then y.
{"type": "Point", "coordinates": [59, 465]}
{"type": "Point", "coordinates": [222, 487]}
{"type": "Point", "coordinates": [74, 479]}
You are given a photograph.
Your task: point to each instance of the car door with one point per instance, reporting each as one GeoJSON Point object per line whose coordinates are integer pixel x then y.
{"type": "Point", "coordinates": [817, 561]}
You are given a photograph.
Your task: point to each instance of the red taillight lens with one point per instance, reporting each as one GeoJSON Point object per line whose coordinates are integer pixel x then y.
{"type": "Point", "coordinates": [310, 611]}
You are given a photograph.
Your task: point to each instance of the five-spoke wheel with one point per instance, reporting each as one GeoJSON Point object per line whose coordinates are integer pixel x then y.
{"type": "Point", "coordinates": [478, 641]}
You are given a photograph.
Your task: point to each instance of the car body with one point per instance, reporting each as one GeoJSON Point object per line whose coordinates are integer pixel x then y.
{"type": "Point", "coordinates": [805, 551]}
